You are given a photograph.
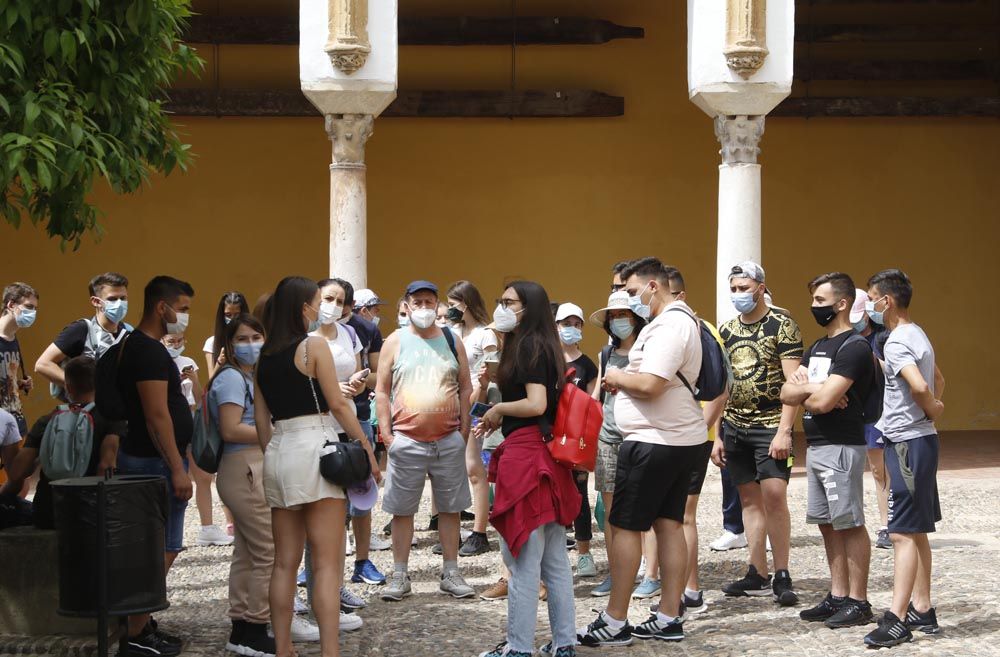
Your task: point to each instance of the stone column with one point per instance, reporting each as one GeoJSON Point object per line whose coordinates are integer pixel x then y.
{"type": "Point", "coordinates": [348, 196]}
{"type": "Point", "coordinates": [739, 201]}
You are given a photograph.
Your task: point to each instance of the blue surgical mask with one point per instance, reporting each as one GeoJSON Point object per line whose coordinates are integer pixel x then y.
{"type": "Point", "coordinates": [860, 325]}
{"type": "Point", "coordinates": [570, 334]}
{"type": "Point", "coordinates": [403, 321]}
{"type": "Point", "coordinates": [247, 353]}
{"type": "Point", "coordinates": [636, 305]}
{"type": "Point", "coordinates": [743, 301]}
{"type": "Point", "coordinates": [175, 351]}
{"type": "Point", "coordinates": [622, 327]}
{"type": "Point", "coordinates": [227, 319]}
{"type": "Point", "coordinates": [875, 315]}
{"type": "Point", "coordinates": [313, 326]}
{"type": "Point", "coordinates": [26, 317]}
{"type": "Point", "coordinates": [116, 310]}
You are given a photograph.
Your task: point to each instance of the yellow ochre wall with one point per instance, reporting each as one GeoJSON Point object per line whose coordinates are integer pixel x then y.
{"type": "Point", "coordinates": [557, 201]}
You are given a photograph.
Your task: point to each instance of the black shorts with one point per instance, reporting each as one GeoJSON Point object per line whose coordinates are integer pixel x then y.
{"type": "Point", "coordinates": [651, 482]}
{"type": "Point", "coordinates": [747, 457]}
{"type": "Point", "coordinates": [913, 495]}
{"type": "Point", "coordinates": [700, 468]}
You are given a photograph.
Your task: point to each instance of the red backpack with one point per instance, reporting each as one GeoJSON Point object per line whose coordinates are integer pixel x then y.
{"type": "Point", "coordinates": [578, 424]}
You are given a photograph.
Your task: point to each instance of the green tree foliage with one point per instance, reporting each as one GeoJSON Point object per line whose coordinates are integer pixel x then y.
{"type": "Point", "coordinates": [81, 90]}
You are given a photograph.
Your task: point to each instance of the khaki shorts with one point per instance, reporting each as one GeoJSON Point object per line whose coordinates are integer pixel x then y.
{"type": "Point", "coordinates": [291, 463]}
{"type": "Point", "coordinates": [607, 464]}
{"type": "Point", "coordinates": [412, 461]}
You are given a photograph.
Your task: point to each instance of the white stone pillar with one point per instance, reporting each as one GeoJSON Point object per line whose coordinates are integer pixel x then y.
{"type": "Point", "coordinates": [739, 202]}
{"type": "Point", "coordinates": [349, 196]}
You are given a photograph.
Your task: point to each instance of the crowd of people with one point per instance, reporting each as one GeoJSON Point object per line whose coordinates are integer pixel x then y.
{"type": "Point", "coordinates": [468, 401]}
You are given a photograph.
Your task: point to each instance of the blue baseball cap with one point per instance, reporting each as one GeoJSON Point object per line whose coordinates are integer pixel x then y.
{"type": "Point", "coordinates": [417, 286]}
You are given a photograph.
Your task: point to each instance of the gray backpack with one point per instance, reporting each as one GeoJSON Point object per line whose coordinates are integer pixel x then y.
{"type": "Point", "coordinates": [98, 341]}
{"type": "Point", "coordinates": [68, 442]}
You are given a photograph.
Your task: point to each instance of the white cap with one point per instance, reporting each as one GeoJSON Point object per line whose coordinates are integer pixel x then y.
{"type": "Point", "coordinates": [569, 310]}
{"type": "Point", "coordinates": [858, 309]}
{"type": "Point", "coordinates": [365, 298]}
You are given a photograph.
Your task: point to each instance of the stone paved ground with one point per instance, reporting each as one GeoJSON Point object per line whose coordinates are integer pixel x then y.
{"type": "Point", "coordinates": [966, 591]}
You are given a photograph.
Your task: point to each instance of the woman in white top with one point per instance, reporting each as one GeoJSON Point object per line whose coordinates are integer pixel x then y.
{"type": "Point", "coordinates": [232, 304]}
{"type": "Point", "coordinates": [468, 317]}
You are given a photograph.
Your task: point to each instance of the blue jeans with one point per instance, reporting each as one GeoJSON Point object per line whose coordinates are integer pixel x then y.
{"type": "Point", "coordinates": [732, 510]}
{"type": "Point", "coordinates": [542, 557]}
{"type": "Point", "coordinates": [154, 465]}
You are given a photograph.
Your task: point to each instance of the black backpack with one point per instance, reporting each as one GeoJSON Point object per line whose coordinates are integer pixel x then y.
{"type": "Point", "coordinates": [716, 374]}
{"type": "Point", "coordinates": [871, 405]}
{"type": "Point", "coordinates": [107, 394]}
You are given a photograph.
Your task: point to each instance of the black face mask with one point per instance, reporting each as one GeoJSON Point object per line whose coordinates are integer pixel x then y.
{"type": "Point", "coordinates": [824, 314]}
{"type": "Point", "coordinates": [454, 315]}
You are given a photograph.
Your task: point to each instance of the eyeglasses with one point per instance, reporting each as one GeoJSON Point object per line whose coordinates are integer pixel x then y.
{"type": "Point", "coordinates": [507, 303]}
{"type": "Point", "coordinates": [675, 294]}
{"type": "Point", "coordinates": [617, 287]}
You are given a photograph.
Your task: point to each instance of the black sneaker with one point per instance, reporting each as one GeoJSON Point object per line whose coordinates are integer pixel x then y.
{"type": "Point", "coordinates": [852, 612]}
{"type": "Point", "coordinates": [154, 627]}
{"type": "Point", "coordinates": [570, 542]}
{"type": "Point", "coordinates": [782, 588]}
{"type": "Point", "coordinates": [653, 628]}
{"type": "Point", "coordinates": [432, 526]}
{"type": "Point", "coordinates": [882, 540]}
{"type": "Point", "coordinates": [753, 583]}
{"type": "Point", "coordinates": [825, 609]}
{"type": "Point", "coordinates": [476, 544]}
{"type": "Point", "coordinates": [925, 622]}
{"type": "Point", "coordinates": [890, 632]}
{"type": "Point", "coordinates": [599, 633]}
{"type": "Point", "coordinates": [696, 604]}
{"type": "Point", "coordinates": [251, 640]}
{"type": "Point", "coordinates": [466, 516]}
{"type": "Point", "coordinates": [150, 644]}
{"type": "Point", "coordinates": [387, 530]}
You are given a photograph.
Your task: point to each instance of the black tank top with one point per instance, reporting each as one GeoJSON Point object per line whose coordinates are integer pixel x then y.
{"type": "Point", "coordinates": [286, 390]}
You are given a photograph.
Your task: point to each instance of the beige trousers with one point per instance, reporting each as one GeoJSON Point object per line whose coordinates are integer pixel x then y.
{"type": "Point", "coordinates": [241, 486]}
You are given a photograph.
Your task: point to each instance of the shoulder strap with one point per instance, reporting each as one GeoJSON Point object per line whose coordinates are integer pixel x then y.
{"type": "Point", "coordinates": [605, 357]}
{"type": "Point", "coordinates": [697, 324]}
{"type": "Point", "coordinates": [351, 332]}
{"type": "Point", "coordinates": [449, 337]}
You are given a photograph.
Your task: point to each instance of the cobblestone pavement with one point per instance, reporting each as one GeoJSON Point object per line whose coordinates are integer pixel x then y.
{"type": "Point", "coordinates": [966, 560]}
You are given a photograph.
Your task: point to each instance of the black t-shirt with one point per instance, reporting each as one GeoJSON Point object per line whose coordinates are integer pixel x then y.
{"type": "Point", "coordinates": [72, 339]}
{"type": "Point", "coordinates": [854, 361]}
{"type": "Point", "coordinates": [586, 371]}
{"type": "Point", "coordinates": [146, 359]}
{"type": "Point", "coordinates": [43, 512]}
{"type": "Point", "coordinates": [371, 343]}
{"type": "Point", "coordinates": [541, 371]}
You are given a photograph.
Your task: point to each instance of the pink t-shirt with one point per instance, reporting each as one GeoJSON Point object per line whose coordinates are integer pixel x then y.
{"type": "Point", "coordinates": [668, 344]}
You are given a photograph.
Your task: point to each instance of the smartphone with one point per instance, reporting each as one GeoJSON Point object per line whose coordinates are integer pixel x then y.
{"type": "Point", "coordinates": [362, 375]}
{"type": "Point", "coordinates": [479, 409]}
{"type": "Point", "coordinates": [189, 368]}
{"type": "Point", "coordinates": [491, 367]}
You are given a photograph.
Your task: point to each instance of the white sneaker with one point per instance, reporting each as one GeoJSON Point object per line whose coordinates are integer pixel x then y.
{"type": "Point", "coordinates": [465, 533]}
{"type": "Point", "coordinates": [728, 541]}
{"type": "Point", "coordinates": [378, 544]}
{"type": "Point", "coordinates": [641, 574]}
{"type": "Point", "coordinates": [350, 546]}
{"type": "Point", "coordinates": [768, 544]}
{"type": "Point", "coordinates": [214, 535]}
{"type": "Point", "coordinates": [299, 606]}
{"type": "Point", "coordinates": [350, 622]}
{"type": "Point", "coordinates": [303, 631]}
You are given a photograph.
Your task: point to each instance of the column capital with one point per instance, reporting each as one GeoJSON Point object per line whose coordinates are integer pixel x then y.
{"type": "Point", "coordinates": [740, 138]}
{"type": "Point", "coordinates": [349, 134]}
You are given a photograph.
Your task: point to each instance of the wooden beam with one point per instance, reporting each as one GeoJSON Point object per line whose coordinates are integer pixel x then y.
{"type": "Point", "coordinates": [450, 31]}
{"type": "Point", "coordinates": [424, 104]}
{"type": "Point", "coordinates": [885, 106]}
{"type": "Point", "coordinates": [816, 69]}
{"type": "Point", "coordinates": [818, 33]}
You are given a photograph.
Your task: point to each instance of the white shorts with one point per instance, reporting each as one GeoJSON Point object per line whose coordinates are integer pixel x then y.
{"type": "Point", "coordinates": [291, 463]}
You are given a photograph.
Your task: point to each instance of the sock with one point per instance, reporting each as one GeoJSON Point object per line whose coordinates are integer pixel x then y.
{"type": "Point", "coordinates": [615, 625]}
{"type": "Point", "coordinates": [450, 566]}
{"type": "Point", "coordinates": [838, 598]}
{"type": "Point", "coordinates": [666, 620]}
{"type": "Point", "coordinates": [399, 567]}
{"type": "Point", "coordinates": [692, 593]}
{"type": "Point", "coordinates": [483, 534]}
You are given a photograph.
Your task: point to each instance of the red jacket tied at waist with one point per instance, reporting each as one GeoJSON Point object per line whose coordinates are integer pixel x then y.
{"type": "Point", "coordinates": [531, 489]}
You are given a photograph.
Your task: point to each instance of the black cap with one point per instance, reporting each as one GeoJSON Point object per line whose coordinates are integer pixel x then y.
{"type": "Point", "coordinates": [416, 286]}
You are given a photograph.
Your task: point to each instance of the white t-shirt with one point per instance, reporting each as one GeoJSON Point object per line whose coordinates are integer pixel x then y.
{"type": "Point", "coordinates": [209, 345]}
{"type": "Point", "coordinates": [670, 343]}
{"type": "Point", "coordinates": [476, 344]}
{"type": "Point", "coordinates": [187, 387]}
{"type": "Point", "coordinates": [9, 432]}
{"type": "Point", "coordinates": [344, 351]}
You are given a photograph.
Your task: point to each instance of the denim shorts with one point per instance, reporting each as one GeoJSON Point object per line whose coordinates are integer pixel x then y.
{"type": "Point", "coordinates": [154, 465]}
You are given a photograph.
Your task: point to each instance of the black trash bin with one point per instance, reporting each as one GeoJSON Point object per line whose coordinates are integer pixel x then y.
{"type": "Point", "coordinates": [135, 513]}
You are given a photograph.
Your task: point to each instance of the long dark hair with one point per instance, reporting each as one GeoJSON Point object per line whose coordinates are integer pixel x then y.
{"type": "Point", "coordinates": [232, 298]}
{"type": "Point", "coordinates": [243, 319]}
{"type": "Point", "coordinates": [467, 293]}
{"type": "Point", "coordinates": [283, 323]}
{"type": "Point", "coordinates": [534, 340]}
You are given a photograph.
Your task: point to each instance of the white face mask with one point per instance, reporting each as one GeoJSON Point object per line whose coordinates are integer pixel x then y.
{"type": "Point", "coordinates": [423, 318]}
{"type": "Point", "coordinates": [376, 319]}
{"type": "Point", "coordinates": [180, 324]}
{"type": "Point", "coordinates": [175, 351]}
{"type": "Point", "coordinates": [504, 319]}
{"type": "Point", "coordinates": [330, 312]}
